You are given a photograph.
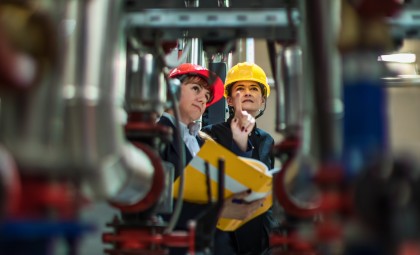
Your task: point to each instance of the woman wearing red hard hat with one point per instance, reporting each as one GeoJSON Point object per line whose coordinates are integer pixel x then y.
{"type": "Point", "coordinates": [199, 89]}
{"type": "Point", "coordinates": [188, 71]}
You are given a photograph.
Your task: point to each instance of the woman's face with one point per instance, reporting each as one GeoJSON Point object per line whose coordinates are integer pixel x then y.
{"type": "Point", "coordinates": [251, 96]}
{"type": "Point", "coordinates": [192, 102]}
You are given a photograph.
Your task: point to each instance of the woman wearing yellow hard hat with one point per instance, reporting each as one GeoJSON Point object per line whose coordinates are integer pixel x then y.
{"type": "Point", "coordinates": [246, 92]}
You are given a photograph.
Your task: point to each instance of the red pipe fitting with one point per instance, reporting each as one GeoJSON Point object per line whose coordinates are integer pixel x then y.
{"type": "Point", "coordinates": [289, 146]}
{"type": "Point", "coordinates": [149, 240]}
{"type": "Point", "coordinates": [371, 8]}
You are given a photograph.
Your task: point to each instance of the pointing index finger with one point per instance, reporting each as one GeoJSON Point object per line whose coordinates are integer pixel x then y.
{"type": "Point", "coordinates": [237, 104]}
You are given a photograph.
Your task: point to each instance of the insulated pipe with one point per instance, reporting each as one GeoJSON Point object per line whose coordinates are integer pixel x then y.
{"type": "Point", "coordinates": [116, 169]}
{"type": "Point", "coordinates": [31, 117]}
{"type": "Point", "coordinates": [195, 55]}
{"type": "Point", "coordinates": [242, 50]}
{"type": "Point", "coordinates": [146, 88]}
{"type": "Point", "coordinates": [292, 76]}
{"type": "Point", "coordinates": [320, 77]}
{"type": "Point", "coordinates": [318, 143]}
{"type": "Point", "coordinates": [289, 71]}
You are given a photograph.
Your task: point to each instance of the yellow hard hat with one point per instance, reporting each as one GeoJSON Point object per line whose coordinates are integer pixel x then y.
{"type": "Point", "coordinates": [246, 72]}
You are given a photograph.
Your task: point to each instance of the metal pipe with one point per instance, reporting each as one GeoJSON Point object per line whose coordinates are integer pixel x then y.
{"type": "Point", "coordinates": [94, 108]}
{"type": "Point", "coordinates": [195, 55]}
{"type": "Point", "coordinates": [146, 86]}
{"type": "Point", "coordinates": [192, 3]}
{"type": "Point", "coordinates": [280, 118]}
{"type": "Point", "coordinates": [31, 124]}
{"type": "Point", "coordinates": [250, 50]}
{"type": "Point", "coordinates": [223, 3]}
{"type": "Point", "coordinates": [320, 84]}
{"type": "Point", "coordinates": [291, 64]}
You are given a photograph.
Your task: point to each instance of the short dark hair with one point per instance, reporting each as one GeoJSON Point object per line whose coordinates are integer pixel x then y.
{"type": "Point", "coordinates": [197, 79]}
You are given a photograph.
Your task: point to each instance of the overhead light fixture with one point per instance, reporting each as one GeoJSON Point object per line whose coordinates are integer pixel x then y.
{"type": "Point", "coordinates": [405, 58]}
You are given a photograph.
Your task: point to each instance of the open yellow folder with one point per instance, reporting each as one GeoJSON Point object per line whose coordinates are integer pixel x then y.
{"type": "Point", "coordinates": [241, 174]}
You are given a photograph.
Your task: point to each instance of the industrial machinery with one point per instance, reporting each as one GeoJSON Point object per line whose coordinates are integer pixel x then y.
{"type": "Point", "coordinates": [82, 84]}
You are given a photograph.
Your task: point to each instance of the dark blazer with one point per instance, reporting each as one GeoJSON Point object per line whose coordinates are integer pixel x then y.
{"type": "Point", "coordinates": [189, 211]}
{"type": "Point", "coordinates": [171, 154]}
{"type": "Point", "coordinates": [253, 237]}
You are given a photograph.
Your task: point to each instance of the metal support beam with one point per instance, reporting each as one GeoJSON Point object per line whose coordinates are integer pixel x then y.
{"type": "Point", "coordinates": [211, 24]}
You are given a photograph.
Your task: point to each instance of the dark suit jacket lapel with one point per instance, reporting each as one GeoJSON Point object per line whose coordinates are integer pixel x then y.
{"type": "Point", "coordinates": [174, 144]}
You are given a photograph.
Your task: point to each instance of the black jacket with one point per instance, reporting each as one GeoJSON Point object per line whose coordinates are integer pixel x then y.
{"type": "Point", "coordinates": [170, 153]}
{"type": "Point", "coordinates": [253, 237]}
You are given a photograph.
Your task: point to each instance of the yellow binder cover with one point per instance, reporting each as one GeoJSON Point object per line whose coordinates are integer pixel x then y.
{"type": "Point", "coordinates": [241, 174]}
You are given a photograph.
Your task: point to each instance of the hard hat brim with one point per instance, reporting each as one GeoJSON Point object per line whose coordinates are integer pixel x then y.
{"type": "Point", "coordinates": [216, 84]}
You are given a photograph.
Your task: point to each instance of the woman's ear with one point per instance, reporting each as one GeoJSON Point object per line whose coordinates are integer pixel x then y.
{"type": "Point", "coordinates": [229, 101]}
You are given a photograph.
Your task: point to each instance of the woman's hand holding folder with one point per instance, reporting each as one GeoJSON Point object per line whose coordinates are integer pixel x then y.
{"type": "Point", "coordinates": [235, 207]}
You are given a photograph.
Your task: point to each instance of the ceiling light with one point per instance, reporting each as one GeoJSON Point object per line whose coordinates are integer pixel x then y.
{"type": "Point", "coordinates": [398, 58]}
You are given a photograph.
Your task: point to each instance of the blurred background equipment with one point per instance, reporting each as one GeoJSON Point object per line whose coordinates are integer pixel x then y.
{"type": "Point", "coordinates": [82, 84]}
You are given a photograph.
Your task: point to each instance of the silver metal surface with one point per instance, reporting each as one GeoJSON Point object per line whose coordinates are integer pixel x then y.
{"type": "Point", "coordinates": [290, 73]}
{"type": "Point", "coordinates": [195, 54]}
{"type": "Point", "coordinates": [223, 3]}
{"type": "Point", "coordinates": [31, 119]}
{"type": "Point", "coordinates": [264, 23]}
{"type": "Point", "coordinates": [210, 24]}
{"type": "Point", "coordinates": [136, 5]}
{"type": "Point", "coordinates": [319, 53]}
{"type": "Point", "coordinates": [146, 86]}
{"type": "Point", "coordinates": [97, 148]}
{"type": "Point", "coordinates": [125, 178]}
{"type": "Point", "coordinates": [192, 3]}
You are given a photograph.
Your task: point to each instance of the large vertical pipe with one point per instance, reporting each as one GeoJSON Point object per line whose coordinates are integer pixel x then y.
{"type": "Point", "coordinates": [289, 75]}
{"type": "Point", "coordinates": [320, 77]}
{"type": "Point", "coordinates": [31, 119]}
{"type": "Point", "coordinates": [250, 50]}
{"type": "Point", "coordinates": [195, 55]}
{"type": "Point", "coordinates": [146, 87]}
{"type": "Point", "coordinates": [114, 168]}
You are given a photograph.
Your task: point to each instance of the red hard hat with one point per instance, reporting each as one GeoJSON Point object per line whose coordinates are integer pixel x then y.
{"type": "Point", "coordinates": [217, 87]}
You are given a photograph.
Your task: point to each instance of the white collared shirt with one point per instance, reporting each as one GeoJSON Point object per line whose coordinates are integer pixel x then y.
{"type": "Point", "coordinates": [189, 140]}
